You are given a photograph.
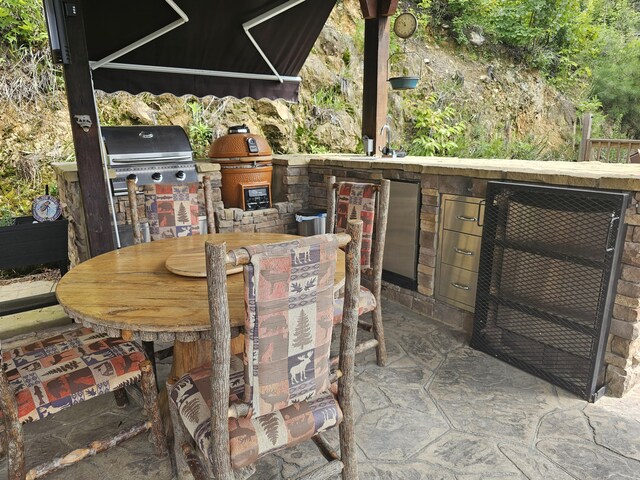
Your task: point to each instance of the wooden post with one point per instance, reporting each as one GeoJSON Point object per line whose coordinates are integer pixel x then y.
{"type": "Point", "coordinates": [584, 151]}
{"type": "Point", "coordinates": [331, 205]}
{"type": "Point", "coordinates": [374, 88]}
{"type": "Point", "coordinates": [85, 131]}
{"type": "Point", "coordinates": [348, 448]}
{"type": "Point", "coordinates": [220, 358]}
{"type": "Point", "coordinates": [376, 55]}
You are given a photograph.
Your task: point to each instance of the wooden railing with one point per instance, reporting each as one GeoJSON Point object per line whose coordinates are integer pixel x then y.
{"type": "Point", "coordinates": [606, 150]}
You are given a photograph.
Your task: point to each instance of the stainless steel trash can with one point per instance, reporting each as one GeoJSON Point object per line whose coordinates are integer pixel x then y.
{"type": "Point", "coordinates": [311, 221]}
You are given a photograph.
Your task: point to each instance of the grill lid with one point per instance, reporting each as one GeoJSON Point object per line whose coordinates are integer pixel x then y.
{"type": "Point", "coordinates": [139, 144]}
{"type": "Point", "coordinates": [240, 145]}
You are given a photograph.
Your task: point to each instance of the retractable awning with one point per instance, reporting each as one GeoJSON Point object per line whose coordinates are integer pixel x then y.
{"type": "Point", "coordinates": [242, 48]}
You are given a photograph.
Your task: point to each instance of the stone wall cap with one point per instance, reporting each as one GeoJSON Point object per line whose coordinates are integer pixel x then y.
{"type": "Point", "coordinates": [614, 176]}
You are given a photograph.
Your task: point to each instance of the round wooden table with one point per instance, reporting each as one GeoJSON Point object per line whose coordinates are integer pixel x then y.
{"type": "Point", "coordinates": [130, 293]}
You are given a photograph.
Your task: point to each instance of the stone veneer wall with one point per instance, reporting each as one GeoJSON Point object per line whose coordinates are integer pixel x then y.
{"type": "Point", "coordinates": [72, 210]}
{"type": "Point", "coordinates": [623, 348]}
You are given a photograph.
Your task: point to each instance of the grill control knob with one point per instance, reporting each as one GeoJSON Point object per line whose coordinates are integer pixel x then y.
{"type": "Point", "coordinates": [133, 177]}
{"type": "Point", "coordinates": [156, 177]}
{"type": "Point", "coordinates": [180, 175]}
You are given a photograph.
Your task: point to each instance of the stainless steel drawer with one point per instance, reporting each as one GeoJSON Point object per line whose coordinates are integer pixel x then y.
{"type": "Point", "coordinates": [460, 250]}
{"type": "Point", "coordinates": [458, 286]}
{"type": "Point", "coordinates": [463, 216]}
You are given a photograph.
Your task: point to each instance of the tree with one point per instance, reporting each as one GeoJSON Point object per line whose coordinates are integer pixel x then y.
{"type": "Point", "coordinates": [302, 335]}
{"type": "Point", "coordinates": [183, 215]}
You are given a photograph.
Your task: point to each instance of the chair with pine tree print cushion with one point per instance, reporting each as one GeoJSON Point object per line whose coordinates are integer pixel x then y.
{"type": "Point", "coordinates": [281, 392]}
{"type": "Point", "coordinates": [40, 378]}
{"type": "Point", "coordinates": [172, 211]}
{"type": "Point", "coordinates": [368, 202]}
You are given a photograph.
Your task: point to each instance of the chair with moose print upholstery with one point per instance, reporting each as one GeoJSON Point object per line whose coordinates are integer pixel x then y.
{"type": "Point", "coordinates": [282, 390]}
{"type": "Point", "coordinates": [172, 211]}
{"type": "Point", "coordinates": [370, 203]}
{"type": "Point", "coordinates": [44, 377]}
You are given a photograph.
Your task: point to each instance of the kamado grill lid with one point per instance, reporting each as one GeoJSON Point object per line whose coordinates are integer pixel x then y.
{"type": "Point", "coordinates": [240, 145]}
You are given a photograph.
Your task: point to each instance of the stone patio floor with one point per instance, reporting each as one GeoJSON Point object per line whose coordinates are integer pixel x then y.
{"type": "Point", "coordinates": [439, 410]}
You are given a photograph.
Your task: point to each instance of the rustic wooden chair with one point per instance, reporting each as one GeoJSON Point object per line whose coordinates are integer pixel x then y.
{"type": "Point", "coordinates": [39, 379]}
{"type": "Point", "coordinates": [370, 203]}
{"type": "Point", "coordinates": [172, 211]}
{"type": "Point", "coordinates": [281, 392]}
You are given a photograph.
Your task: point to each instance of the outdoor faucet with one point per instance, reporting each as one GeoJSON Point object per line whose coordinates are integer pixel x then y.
{"type": "Point", "coordinates": [387, 150]}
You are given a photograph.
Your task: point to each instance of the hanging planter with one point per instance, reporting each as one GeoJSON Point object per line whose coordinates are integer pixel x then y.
{"type": "Point", "coordinates": [404, 83]}
{"type": "Point", "coordinates": [399, 67]}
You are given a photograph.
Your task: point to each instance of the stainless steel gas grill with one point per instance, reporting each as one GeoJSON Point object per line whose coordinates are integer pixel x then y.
{"type": "Point", "coordinates": [149, 154]}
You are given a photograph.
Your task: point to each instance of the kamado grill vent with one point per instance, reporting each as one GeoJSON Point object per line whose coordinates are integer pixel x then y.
{"type": "Point", "coordinates": [245, 164]}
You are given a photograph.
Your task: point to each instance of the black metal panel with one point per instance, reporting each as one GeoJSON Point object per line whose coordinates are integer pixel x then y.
{"type": "Point", "coordinates": [27, 243]}
{"type": "Point", "coordinates": [548, 270]}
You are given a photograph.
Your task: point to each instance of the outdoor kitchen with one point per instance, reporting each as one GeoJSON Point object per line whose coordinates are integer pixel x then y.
{"type": "Point", "coordinates": [299, 182]}
{"type": "Point", "coordinates": [225, 309]}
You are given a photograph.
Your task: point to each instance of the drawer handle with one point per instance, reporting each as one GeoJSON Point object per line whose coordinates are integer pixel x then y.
{"type": "Point", "coordinates": [462, 252]}
{"type": "Point", "coordinates": [460, 286]}
{"type": "Point", "coordinates": [466, 219]}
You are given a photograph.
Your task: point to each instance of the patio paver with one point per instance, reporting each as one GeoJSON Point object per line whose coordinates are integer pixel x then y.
{"type": "Point", "coordinates": [439, 410]}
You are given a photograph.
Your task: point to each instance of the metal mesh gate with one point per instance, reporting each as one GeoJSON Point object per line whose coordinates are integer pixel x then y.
{"type": "Point", "coordinates": [547, 277]}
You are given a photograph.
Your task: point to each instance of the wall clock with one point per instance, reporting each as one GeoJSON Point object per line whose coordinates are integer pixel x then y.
{"type": "Point", "coordinates": [405, 25]}
{"type": "Point", "coordinates": [46, 208]}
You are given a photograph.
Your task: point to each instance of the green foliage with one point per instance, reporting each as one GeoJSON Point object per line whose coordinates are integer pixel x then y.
{"type": "Point", "coordinates": [435, 129]}
{"type": "Point", "coordinates": [200, 133]}
{"type": "Point", "coordinates": [6, 217]}
{"type": "Point", "coordinates": [309, 142]}
{"type": "Point", "coordinates": [616, 83]}
{"type": "Point", "coordinates": [332, 98]}
{"type": "Point", "coordinates": [22, 24]}
{"type": "Point", "coordinates": [568, 40]}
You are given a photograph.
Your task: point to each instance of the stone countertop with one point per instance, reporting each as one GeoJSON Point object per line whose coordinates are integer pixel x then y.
{"type": "Point", "coordinates": [614, 176]}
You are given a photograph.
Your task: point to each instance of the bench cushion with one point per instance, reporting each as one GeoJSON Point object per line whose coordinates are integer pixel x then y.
{"type": "Point", "coordinates": [250, 438]}
{"type": "Point", "coordinates": [54, 373]}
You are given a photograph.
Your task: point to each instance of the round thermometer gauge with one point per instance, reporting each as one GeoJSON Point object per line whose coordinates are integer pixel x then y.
{"type": "Point", "coordinates": [46, 208]}
{"type": "Point", "coordinates": [405, 25]}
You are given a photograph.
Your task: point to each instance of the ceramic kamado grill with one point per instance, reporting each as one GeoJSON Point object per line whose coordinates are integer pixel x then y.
{"type": "Point", "coordinates": [245, 164]}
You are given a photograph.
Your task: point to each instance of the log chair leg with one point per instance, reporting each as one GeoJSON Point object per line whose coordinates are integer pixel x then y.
{"type": "Point", "coordinates": [13, 430]}
{"type": "Point", "coordinates": [180, 437]}
{"type": "Point", "coordinates": [151, 356]}
{"type": "Point", "coordinates": [150, 395]}
{"type": "Point", "coordinates": [378, 333]}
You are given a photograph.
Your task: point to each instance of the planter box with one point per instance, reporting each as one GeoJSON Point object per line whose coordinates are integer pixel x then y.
{"type": "Point", "coordinates": [27, 243]}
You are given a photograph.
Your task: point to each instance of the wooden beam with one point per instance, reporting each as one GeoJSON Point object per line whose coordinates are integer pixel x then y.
{"type": "Point", "coordinates": [378, 8]}
{"type": "Point", "coordinates": [84, 127]}
{"type": "Point", "coordinates": [369, 8]}
{"type": "Point", "coordinates": [374, 92]}
{"type": "Point", "coordinates": [386, 8]}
